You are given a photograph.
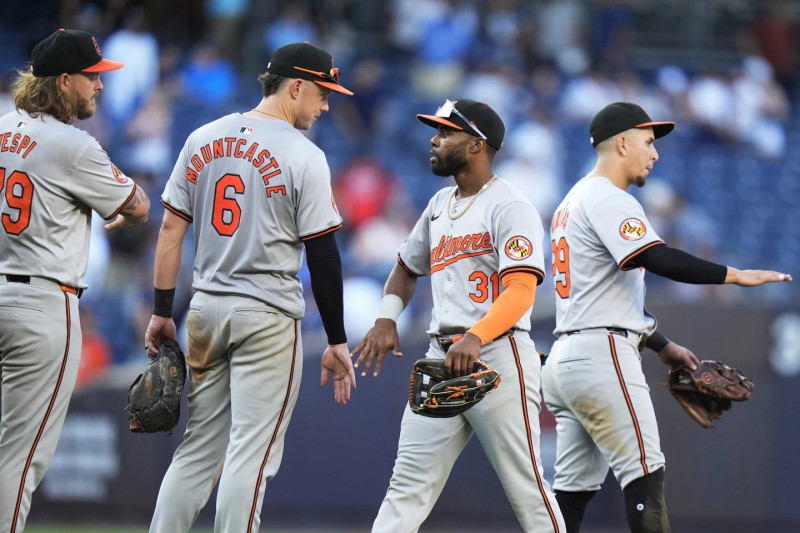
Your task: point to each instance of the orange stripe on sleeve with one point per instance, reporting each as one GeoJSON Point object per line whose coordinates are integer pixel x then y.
{"type": "Point", "coordinates": [176, 212]}
{"type": "Point", "coordinates": [519, 292]}
{"type": "Point", "coordinates": [120, 208]}
{"type": "Point", "coordinates": [406, 268]}
{"type": "Point", "coordinates": [623, 265]}
{"type": "Point", "coordinates": [318, 234]}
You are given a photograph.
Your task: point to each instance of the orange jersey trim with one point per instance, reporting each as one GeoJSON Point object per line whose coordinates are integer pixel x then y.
{"type": "Point", "coordinates": [276, 431]}
{"type": "Point", "coordinates": [528, 269]}
{"type": "Point", "coordinates": [623, 263]}
{"type": "Point", "coordinates": [176, 212]}
{"type": "Point", "coordinates": [440, 266]}
{"type": "Point", "coordinates": [634, 419]}
{"type": "Point", "coordinates": [120, 208]}
{"type": "Point", "coordinates": [519, 292]}
{"type": "Point", "coordinates": [315, 235]}
{"type": "Point", "coordinates": [529, 434]}
{"type": "Point", "coordinates": [406, 268]}
{"type": "Point", "coordinates": [15, 516]}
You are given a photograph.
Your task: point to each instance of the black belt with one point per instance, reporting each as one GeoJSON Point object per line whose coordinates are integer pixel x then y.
{"type": "Point", "coordinates": [617, 331]}
{"type": "Point", "coordinates": [447, 340]}
{"type": "Point", "coordinates": [16, 278]}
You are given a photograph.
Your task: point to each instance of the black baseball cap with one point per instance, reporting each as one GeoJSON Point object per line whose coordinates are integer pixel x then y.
{"type": "Point", "coordinates": [69, 51]}
{"type": "Point", "coordinates": [475, 118]}
{"type": "Point", "coordinates": [621, 116]}
{"type": "Point", "coordinates": [307, 62]}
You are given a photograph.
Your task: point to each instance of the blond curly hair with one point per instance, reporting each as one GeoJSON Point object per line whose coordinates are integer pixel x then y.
{"type": "Point", "coordinates": [38, 95]}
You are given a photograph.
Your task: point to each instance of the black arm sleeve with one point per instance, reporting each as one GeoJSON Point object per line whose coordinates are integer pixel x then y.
{"type": "Point", "coordinates": [325, 268]}
{"type": "Point", "coordinates": [656, 342]}
{"type": "Point", "coordinates": [678, 265]}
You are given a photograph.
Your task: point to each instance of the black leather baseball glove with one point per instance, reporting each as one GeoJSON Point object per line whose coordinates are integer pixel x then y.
{"type": "Point", "coordinates": [430, 393]}
{"type": "Point", "coordinates": [705, 393]}
{"type": "Point", "coordinates": [154, 397]}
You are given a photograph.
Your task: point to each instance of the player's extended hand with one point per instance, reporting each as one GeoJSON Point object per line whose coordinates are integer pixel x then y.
{"type": "Point", "coordinates": [336, 360]}
{"type": "Point", "coordinates": [676, 355]}
{"type": "Point", "coordinates": [381, 338]}
{"type": "Point", "coordinates": [751, 278]}
{"type": "Point", "coordinates": [462, 355]}
{"type": "Point", "coordinates": [158, 329]}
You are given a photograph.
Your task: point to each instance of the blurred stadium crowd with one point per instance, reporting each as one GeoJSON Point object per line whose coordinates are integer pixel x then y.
{"type": "Point", "coordinates": [727, 187]}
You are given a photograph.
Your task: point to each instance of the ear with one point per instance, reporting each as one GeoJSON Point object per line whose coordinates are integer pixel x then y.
{"type": "Point", "coordinates": [621, 144]}
{"type": "Point", "coordinates": [63, 81]}
{"type": "Point", "coordinates": [476, 145]}
{"type": "Point", "coordinates": [295, 86]}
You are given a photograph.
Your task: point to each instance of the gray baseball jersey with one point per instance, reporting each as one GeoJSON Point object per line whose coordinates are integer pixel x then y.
{"type": "Point", "coordinates": [52, 175]}
{"type": "Point", "coordinates": [290, 201]}
{"type": "Point", "coordinates": [593, 381]}
{"type": "Point", "coordinates": [465, 247]}
{"type": "Point", "coordinates": [596, 229]}
{"type": "Point", "coordinates": [465, 256]}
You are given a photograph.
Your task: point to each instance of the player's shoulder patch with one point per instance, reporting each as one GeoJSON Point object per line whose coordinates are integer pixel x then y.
{"type": "Point", "coordinates": [632, 229]}
{"type": "Point", "coordinates": [118, 174]}
{"type": "Point", "coordinates": [518, 248]}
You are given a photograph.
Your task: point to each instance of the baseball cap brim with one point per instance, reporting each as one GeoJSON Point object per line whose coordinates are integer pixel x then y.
{"type": "Point", "coordinates": [104, 65]}
{"type": "Point", "coordinates": [659, 128]}
{"type": "Point", "coordinates": [434, 122]}
{"type": "Point", "coordinates": [334, 87]}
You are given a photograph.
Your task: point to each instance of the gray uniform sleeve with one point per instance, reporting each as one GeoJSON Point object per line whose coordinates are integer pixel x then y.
{"type": "Point", "coordinates": [316, 209]}
{"type": "Point", "coordinates": [622, 226]}
{"type": "Point", "coordinates": [520, 238]}
{"type": "Point", "coordinates": [98, 183]}
{"type": "Point", "coordinates": [176, 196]}
{"type": "Point", "coordinates": [415, 252]}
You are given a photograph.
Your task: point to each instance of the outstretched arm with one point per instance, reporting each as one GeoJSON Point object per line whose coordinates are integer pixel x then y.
{"type": "Point", "coordinates": [751, 278]}
{"type": "Point", "coordinates": [382, 337]}
{"type": "Point", "coordinates": [678, 265]}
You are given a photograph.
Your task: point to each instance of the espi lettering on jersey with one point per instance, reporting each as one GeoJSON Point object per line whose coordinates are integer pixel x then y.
{"type": "Point", "coordinates": [450, 245]}
{"type": "Point", "coordinates": [16, 143]}
{"type": "Point", "coordinates": [236, 147]}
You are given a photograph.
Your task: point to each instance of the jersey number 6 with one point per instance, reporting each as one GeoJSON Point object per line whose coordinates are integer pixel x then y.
{"type": "Point", "coordinates": [19, 196]}
{"type": "Point", "coordinates": [561, 267]}
{"type": "Point", "coordinates": [223, 204]}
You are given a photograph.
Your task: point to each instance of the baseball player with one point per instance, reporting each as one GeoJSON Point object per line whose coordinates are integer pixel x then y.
{"type": "Point", "coordinates": [480, 242]}
{"type": "Point", "coordinates": [52, 176]}
{"type": "Point", "coordinates": [593, 381]}
{"type": "Point", "coordinates": [258, 192]}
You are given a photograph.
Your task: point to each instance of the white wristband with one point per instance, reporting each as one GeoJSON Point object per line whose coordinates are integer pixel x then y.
{"type": "Point", "coordinates": [391, 307]}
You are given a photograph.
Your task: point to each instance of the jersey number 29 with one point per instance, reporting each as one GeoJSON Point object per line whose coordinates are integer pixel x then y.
{"type": "Point", "coordinates": [561, 267]}
{"type": "Point", "coordinates": [18, 192]}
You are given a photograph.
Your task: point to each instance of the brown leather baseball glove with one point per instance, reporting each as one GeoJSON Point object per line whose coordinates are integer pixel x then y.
{"type": "Point", "coordinates": [431, 393]}
{"type": "Point", "coordinates": [154, 397]}
{"type": "Point", "coordinates": [705, 393]}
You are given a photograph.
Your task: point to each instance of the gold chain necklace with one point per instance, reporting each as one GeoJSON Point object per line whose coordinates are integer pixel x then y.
{"type": "Point", "coordinates": [474, 197]}
{"type": "Point", "coordinates": [270, 114]}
